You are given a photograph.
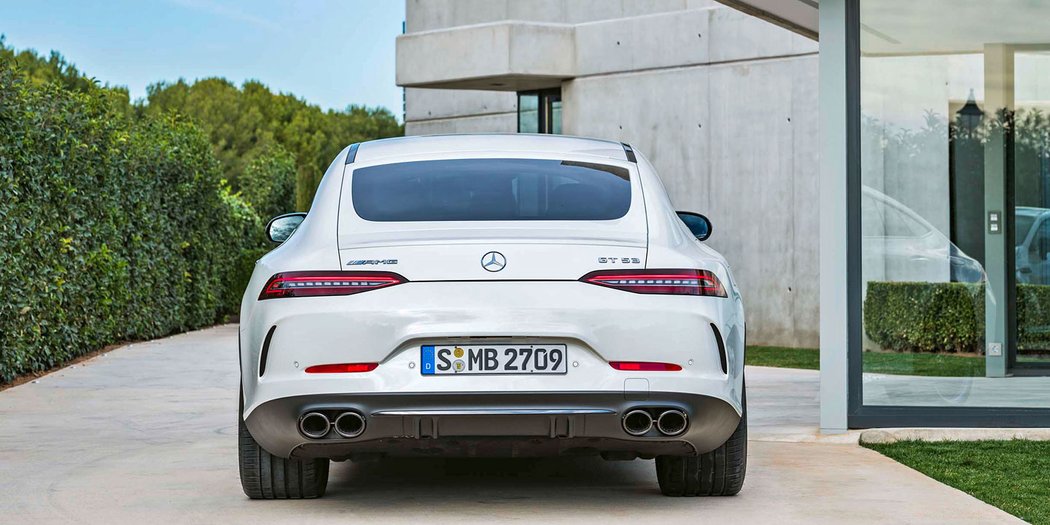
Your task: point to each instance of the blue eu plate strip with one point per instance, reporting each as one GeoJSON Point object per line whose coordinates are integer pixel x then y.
{"type": "Point", "coordinates": [426, 362]}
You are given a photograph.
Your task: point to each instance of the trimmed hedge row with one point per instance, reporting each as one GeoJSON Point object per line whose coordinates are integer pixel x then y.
{"type": "Point", "coordinates": [111, 228]}
{"type": "Point", "coordinates": [925, 317]}
{"type": "Point", "coordinates": [948, 317]}
{"type": "Point", "coordinates": [1033, 317]}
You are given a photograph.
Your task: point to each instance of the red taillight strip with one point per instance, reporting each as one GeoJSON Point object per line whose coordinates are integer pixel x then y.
{"type": "Point", "coordinates": [321, 283]}
{"type": "Point", "coordinates": [644, 366]}
{"type": "Point", "coordinates": [669, 282]}
{"type": "Point", "coordinates": [342, 368]}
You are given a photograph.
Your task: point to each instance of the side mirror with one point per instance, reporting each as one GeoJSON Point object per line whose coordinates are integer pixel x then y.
{"type": "Point", "coordinates": [281, 227]}
{"type": "Point", "coordinates": [698, 224]}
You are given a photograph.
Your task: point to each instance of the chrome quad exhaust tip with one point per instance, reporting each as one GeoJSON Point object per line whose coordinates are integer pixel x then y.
{"type": "Point", "coordinates": [672, 422]}
{"type": "Point", "coordinates": [637, 422]}
{"type": "Point", "coordinates": [314, 425]}
{"type": "Point", "coordinates": [350, 424]}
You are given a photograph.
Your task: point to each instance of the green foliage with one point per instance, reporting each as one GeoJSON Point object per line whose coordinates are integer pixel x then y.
{"type": "Point", "coordinates": [782, 357]}
{"type": "Point", "coordinates": [948, 317]}
{"type": "Point", "coordinates": [925, 317]}
{"type": "Point", "coordinates": [122, 221]}
{"type": "Point", "coordinates": [52, 70]}
{"type": "Point", "coordinates": [247, 122]}
{"type": "Point", "coordinates": [242, 124]}
{"type": "Point", "coordinates": [1033, 317]}
{"type": "Point", "coordinates": [914, 364]}
{"type": "Point", "coordinates": [268, 182]}
{"type": "Point", "coordinates": [938, 365]}
{"type": "Point", "coordinates": [111, 227]}
{"type": "Point", "coordinates": [55, 69]}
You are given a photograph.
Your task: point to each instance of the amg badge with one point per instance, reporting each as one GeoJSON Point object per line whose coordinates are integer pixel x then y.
{"type": "Point", "coordinates": [361, 262]}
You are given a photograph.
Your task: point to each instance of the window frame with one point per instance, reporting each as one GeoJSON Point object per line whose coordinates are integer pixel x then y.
{"type": "Point", "coordinates": [544, 109]}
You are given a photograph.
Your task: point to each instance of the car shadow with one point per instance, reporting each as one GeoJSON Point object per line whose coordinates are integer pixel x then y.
{"type": "Point", "coordinates": [444, 481]}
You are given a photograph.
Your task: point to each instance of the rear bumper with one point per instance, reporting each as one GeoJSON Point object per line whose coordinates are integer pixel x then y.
{"type": "Point", "coordinates": [492, 424]}
{"type": "Point", "coordinates": [388, 326]}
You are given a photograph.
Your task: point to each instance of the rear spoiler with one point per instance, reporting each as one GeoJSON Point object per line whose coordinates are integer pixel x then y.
{"type": "Point", "coordinates": [629, 152]}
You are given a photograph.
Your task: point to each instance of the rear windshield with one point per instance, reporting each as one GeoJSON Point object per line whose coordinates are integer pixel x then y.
{"type": "Point", "coordinates": [491, 190]}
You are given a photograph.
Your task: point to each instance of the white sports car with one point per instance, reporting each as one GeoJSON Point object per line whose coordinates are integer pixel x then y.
{"type": "Point", "coordinates": [491, 295]}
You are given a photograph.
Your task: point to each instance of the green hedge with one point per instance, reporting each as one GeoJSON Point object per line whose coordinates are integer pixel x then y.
{"type": "Point", "coordinates": [925, 317]}
{"type": "Point", "coordinates": [112, 228]}
{"type": "Point", "coordinates": [948, 317]}
{"type": "Point", "coordinates": [1033, 317]}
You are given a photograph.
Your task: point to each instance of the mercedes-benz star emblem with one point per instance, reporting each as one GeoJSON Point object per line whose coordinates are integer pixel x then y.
{"type": "Point", "coordinates": [493, 261]}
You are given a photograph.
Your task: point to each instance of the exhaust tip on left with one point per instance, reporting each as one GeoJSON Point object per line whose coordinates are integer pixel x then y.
{"type": "Point", "coordinates": [637, 422]}
{"type": "Point", "coordinates": [314, 425]}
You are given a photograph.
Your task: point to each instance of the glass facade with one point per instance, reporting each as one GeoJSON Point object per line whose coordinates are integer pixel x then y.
{"type": "Point", "coordinates": [539, 111]}
{"type": "Point", "coordinates": [954, 207]}
{"type": "Point", "coordinates": [528, 112]}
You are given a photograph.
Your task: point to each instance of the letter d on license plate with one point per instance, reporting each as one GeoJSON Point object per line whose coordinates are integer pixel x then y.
{"type": "Point", "coordinates": [493, 359]}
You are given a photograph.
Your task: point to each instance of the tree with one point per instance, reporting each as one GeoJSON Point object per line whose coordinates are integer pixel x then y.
{"type": "Point", "coordinates": [268, 182]}
{"type": "Point", "coordinates": [243, 122]}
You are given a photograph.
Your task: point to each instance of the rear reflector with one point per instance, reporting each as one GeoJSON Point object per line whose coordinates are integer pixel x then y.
{"type": "Point", "coordinates": [343, 368]}
{"type": "Point", "coordinates": [313, 284]}
{"type": "Point", "coordinates": [667, 282]}
{"type": "Point", "coordinates": [642, 366]}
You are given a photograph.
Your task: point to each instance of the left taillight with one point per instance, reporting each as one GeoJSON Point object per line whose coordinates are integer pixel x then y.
{"type": "Point", "coordinates": [322, 283]}
{"type": "Point", "coordinates": [666, 282]}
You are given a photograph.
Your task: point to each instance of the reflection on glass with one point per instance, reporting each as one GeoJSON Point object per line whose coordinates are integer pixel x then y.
{"type": "Point", "coordinates": [281, 228]}
{"type": "Point", "coordinates": [955, 210]}
{"type": "Point", "coordinates": [556, 117]}
{"type": "Point", "coordinates": [698, 225]}
{"type": "Point", "coordinates": [1030, 134]}
{"type": "Point", "coordinates": [528, 113]}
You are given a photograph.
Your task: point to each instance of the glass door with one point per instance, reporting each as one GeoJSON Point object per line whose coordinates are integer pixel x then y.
{"type": "Point", "coordinates": [954, 208]}
{"type": "Point", "coordinates": [1027, 144]}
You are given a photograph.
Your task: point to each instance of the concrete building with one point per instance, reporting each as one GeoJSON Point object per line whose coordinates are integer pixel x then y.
{"type": "Point", "coordinates": [723, 103]}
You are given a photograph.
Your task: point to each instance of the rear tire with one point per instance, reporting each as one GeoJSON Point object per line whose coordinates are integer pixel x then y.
{"type": "Point", "coordinates": [716, 473]}
{"type": "Point", "coordinates": [265, 476]}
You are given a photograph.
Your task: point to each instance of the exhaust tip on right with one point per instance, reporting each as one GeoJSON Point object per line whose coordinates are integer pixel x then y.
{"type": "Point", "coordinates": [314, 425]}
{"type": "Point", "coordinates": [637, 422]}
{"type": "Point", "coordinates": [350, 424]}
{"type": "Point", "coordinates": [672, 422]}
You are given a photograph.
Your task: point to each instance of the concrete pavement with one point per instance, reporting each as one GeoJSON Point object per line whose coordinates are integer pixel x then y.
{"type": "Point", "coordinates": [147, 433]}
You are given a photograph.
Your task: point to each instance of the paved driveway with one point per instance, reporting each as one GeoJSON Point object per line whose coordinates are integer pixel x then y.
{"type": "Point", "coordinates": [147, 433]}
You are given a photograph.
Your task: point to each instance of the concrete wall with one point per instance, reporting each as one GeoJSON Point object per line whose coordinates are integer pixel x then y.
{"type": "Point", "coordinates": [428, 15]}
{"type": "Point", "coordinates": [724, 105]}
{"type": "Point", "coordinates": [507, 56]}
{"type": "Point", "coordinates": [433, 111]}
{"type": "Point", "coordinates": [738, 145]}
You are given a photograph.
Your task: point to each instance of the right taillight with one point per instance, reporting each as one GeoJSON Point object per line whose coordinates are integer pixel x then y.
{"type": "Point", "coordinates": [667, 282]}
{"type": "Point", "coordinates": [644, 366]}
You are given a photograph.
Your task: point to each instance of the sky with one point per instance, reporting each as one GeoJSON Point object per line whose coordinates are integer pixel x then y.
{"type": "Point", "coordinates": [332, 53]}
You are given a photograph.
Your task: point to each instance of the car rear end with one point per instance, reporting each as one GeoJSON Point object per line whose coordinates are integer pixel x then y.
{"type": "Point", "coordinates": [495, 303]}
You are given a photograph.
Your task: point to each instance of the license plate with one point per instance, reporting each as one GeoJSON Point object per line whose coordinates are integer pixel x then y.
{"type": "Point", "coordinates": [493, 359]}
